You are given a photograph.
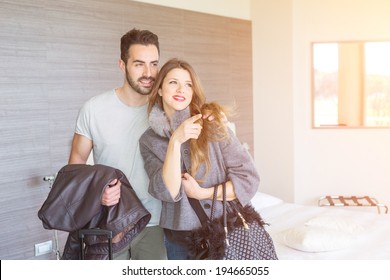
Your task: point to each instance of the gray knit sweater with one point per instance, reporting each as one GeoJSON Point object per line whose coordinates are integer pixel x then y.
{"type": "Point", "coordinates": [230, 161]}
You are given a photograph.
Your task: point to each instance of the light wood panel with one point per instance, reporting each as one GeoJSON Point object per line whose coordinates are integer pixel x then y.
{"type": "Point", "coordinates": [57, 54]}
{"type": "Point", "coordinates": [24, 144]}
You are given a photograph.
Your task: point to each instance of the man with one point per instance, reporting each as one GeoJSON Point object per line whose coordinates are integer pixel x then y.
{"type": "Point", "coordinates": [112, 123]}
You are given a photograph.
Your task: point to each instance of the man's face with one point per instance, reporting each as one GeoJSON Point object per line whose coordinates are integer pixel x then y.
{"type": "Point", "coordinates": [142, 68]}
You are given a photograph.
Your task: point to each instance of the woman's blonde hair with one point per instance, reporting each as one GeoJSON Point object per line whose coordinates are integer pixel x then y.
{"type": "Point", "coordinates": [214, 130]}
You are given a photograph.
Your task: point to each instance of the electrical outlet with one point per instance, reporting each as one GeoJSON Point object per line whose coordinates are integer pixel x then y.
{"type": "Point", "coordinates": [43, 248]}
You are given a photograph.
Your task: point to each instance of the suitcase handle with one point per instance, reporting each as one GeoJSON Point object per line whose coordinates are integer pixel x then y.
{"type": "Point", "coordinates": [97, 232]}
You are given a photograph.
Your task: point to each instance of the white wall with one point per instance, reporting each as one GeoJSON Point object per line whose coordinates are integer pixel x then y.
{"type": "Point", "coordinates": [273, 99]}
{"type": "Point", "coordinates": [296, 162]}
{"type": "Point", "coordinates": [322, 161]}
{"type": "Point", "coordinates": [336, 161]}
{"type": "Point", "coordinates": [228, 8]}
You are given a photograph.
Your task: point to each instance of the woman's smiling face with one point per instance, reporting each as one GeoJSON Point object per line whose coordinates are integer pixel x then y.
{"type": "Point", "coordinates": [176, 91]}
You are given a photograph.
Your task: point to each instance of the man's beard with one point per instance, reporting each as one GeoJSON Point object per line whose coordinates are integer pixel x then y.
{"type": "Point", "coordinates": [135, 86]}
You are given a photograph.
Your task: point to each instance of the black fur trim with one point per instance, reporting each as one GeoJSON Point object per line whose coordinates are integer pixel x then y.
{"type": "Point", "coordinates": [208, 241]}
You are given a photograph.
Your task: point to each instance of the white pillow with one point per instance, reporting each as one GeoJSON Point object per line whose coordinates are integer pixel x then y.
{"type": "Point", "coordinates": [263, 200]}
{"type": "Point", "coordinates": [314, 239]}
{"type": "Point", "coordinates": [336, 223]}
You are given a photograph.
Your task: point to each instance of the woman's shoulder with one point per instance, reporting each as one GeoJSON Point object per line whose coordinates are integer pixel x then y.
{"type": "Point", "coordinates": [148, 134]}
{"type": "Point", "coordinates": [150, 137]}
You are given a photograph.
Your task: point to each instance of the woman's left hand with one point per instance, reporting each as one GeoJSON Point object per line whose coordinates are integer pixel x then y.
{"type": "Point", "coordinates": [192, 188]}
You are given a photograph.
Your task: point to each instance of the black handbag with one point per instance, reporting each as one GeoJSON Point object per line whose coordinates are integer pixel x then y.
{"type": "Point", "coordinates": [238, 235]}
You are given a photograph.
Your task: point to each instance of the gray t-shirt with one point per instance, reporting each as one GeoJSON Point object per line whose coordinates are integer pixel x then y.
{"type": "Point", "coordinates": [115, 129]}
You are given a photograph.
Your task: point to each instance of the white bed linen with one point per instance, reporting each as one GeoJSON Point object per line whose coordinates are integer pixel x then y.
{"type": "Point", "coordinates": [370, 240]}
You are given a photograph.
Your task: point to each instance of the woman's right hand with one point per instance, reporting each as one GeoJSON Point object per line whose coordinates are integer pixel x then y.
{"type": "Point", "coordinates": [189, 129]}
{"type": "Point", "coordinates": [171, 171]}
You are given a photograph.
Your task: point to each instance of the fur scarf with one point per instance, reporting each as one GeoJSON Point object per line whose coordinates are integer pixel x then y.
{"type": "Point", "coordinates": [160, 123]}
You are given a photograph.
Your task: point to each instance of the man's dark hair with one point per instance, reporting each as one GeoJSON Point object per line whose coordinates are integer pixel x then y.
{"type": "Point", "coordinates": [140, 37]}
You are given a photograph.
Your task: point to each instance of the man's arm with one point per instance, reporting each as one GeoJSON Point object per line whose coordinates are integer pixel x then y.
{"type": "Point", "coordinates": [81, 148]}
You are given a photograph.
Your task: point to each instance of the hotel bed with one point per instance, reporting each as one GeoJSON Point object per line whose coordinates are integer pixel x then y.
{"type": "Point", "coordinates": [335, 233]}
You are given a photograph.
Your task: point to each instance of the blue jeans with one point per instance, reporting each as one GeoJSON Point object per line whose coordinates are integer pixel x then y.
{"type": "Point", "coordinates": [176, 251]}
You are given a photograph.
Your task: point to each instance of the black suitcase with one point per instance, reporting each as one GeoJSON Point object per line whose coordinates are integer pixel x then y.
{"type": "Point", "coordinates": [96, 232]}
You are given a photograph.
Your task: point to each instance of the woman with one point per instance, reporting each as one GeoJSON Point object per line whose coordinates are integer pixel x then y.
{"type": "Point", "coordinates": [186, 155]}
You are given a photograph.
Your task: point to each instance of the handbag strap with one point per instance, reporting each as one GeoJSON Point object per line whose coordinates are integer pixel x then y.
{"type": "Point", "coordinates": [198, 210]}
{"type": "Point", "coordinates": [224, 213]}
{"type": "Point", "coordinates": [195, 204]}
{"type": "Point", "coordinates": [213, 205]}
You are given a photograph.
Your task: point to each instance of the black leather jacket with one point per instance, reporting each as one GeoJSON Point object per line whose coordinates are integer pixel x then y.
{"type": "Point", "coordinates": [74, 203]}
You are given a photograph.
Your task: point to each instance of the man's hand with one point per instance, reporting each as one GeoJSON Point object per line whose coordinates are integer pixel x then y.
{"type": "Point", "coordinates": [112, 193]}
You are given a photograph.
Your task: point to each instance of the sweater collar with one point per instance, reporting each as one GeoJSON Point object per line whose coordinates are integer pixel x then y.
{"type": "Point", "coordinates": [160, 123]}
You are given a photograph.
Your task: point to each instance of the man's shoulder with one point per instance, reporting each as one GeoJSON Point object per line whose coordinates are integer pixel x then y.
{"type": "Point", "coordinates": [103, 97]}
{"type": "Point", "coordinates": [97, 102]}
